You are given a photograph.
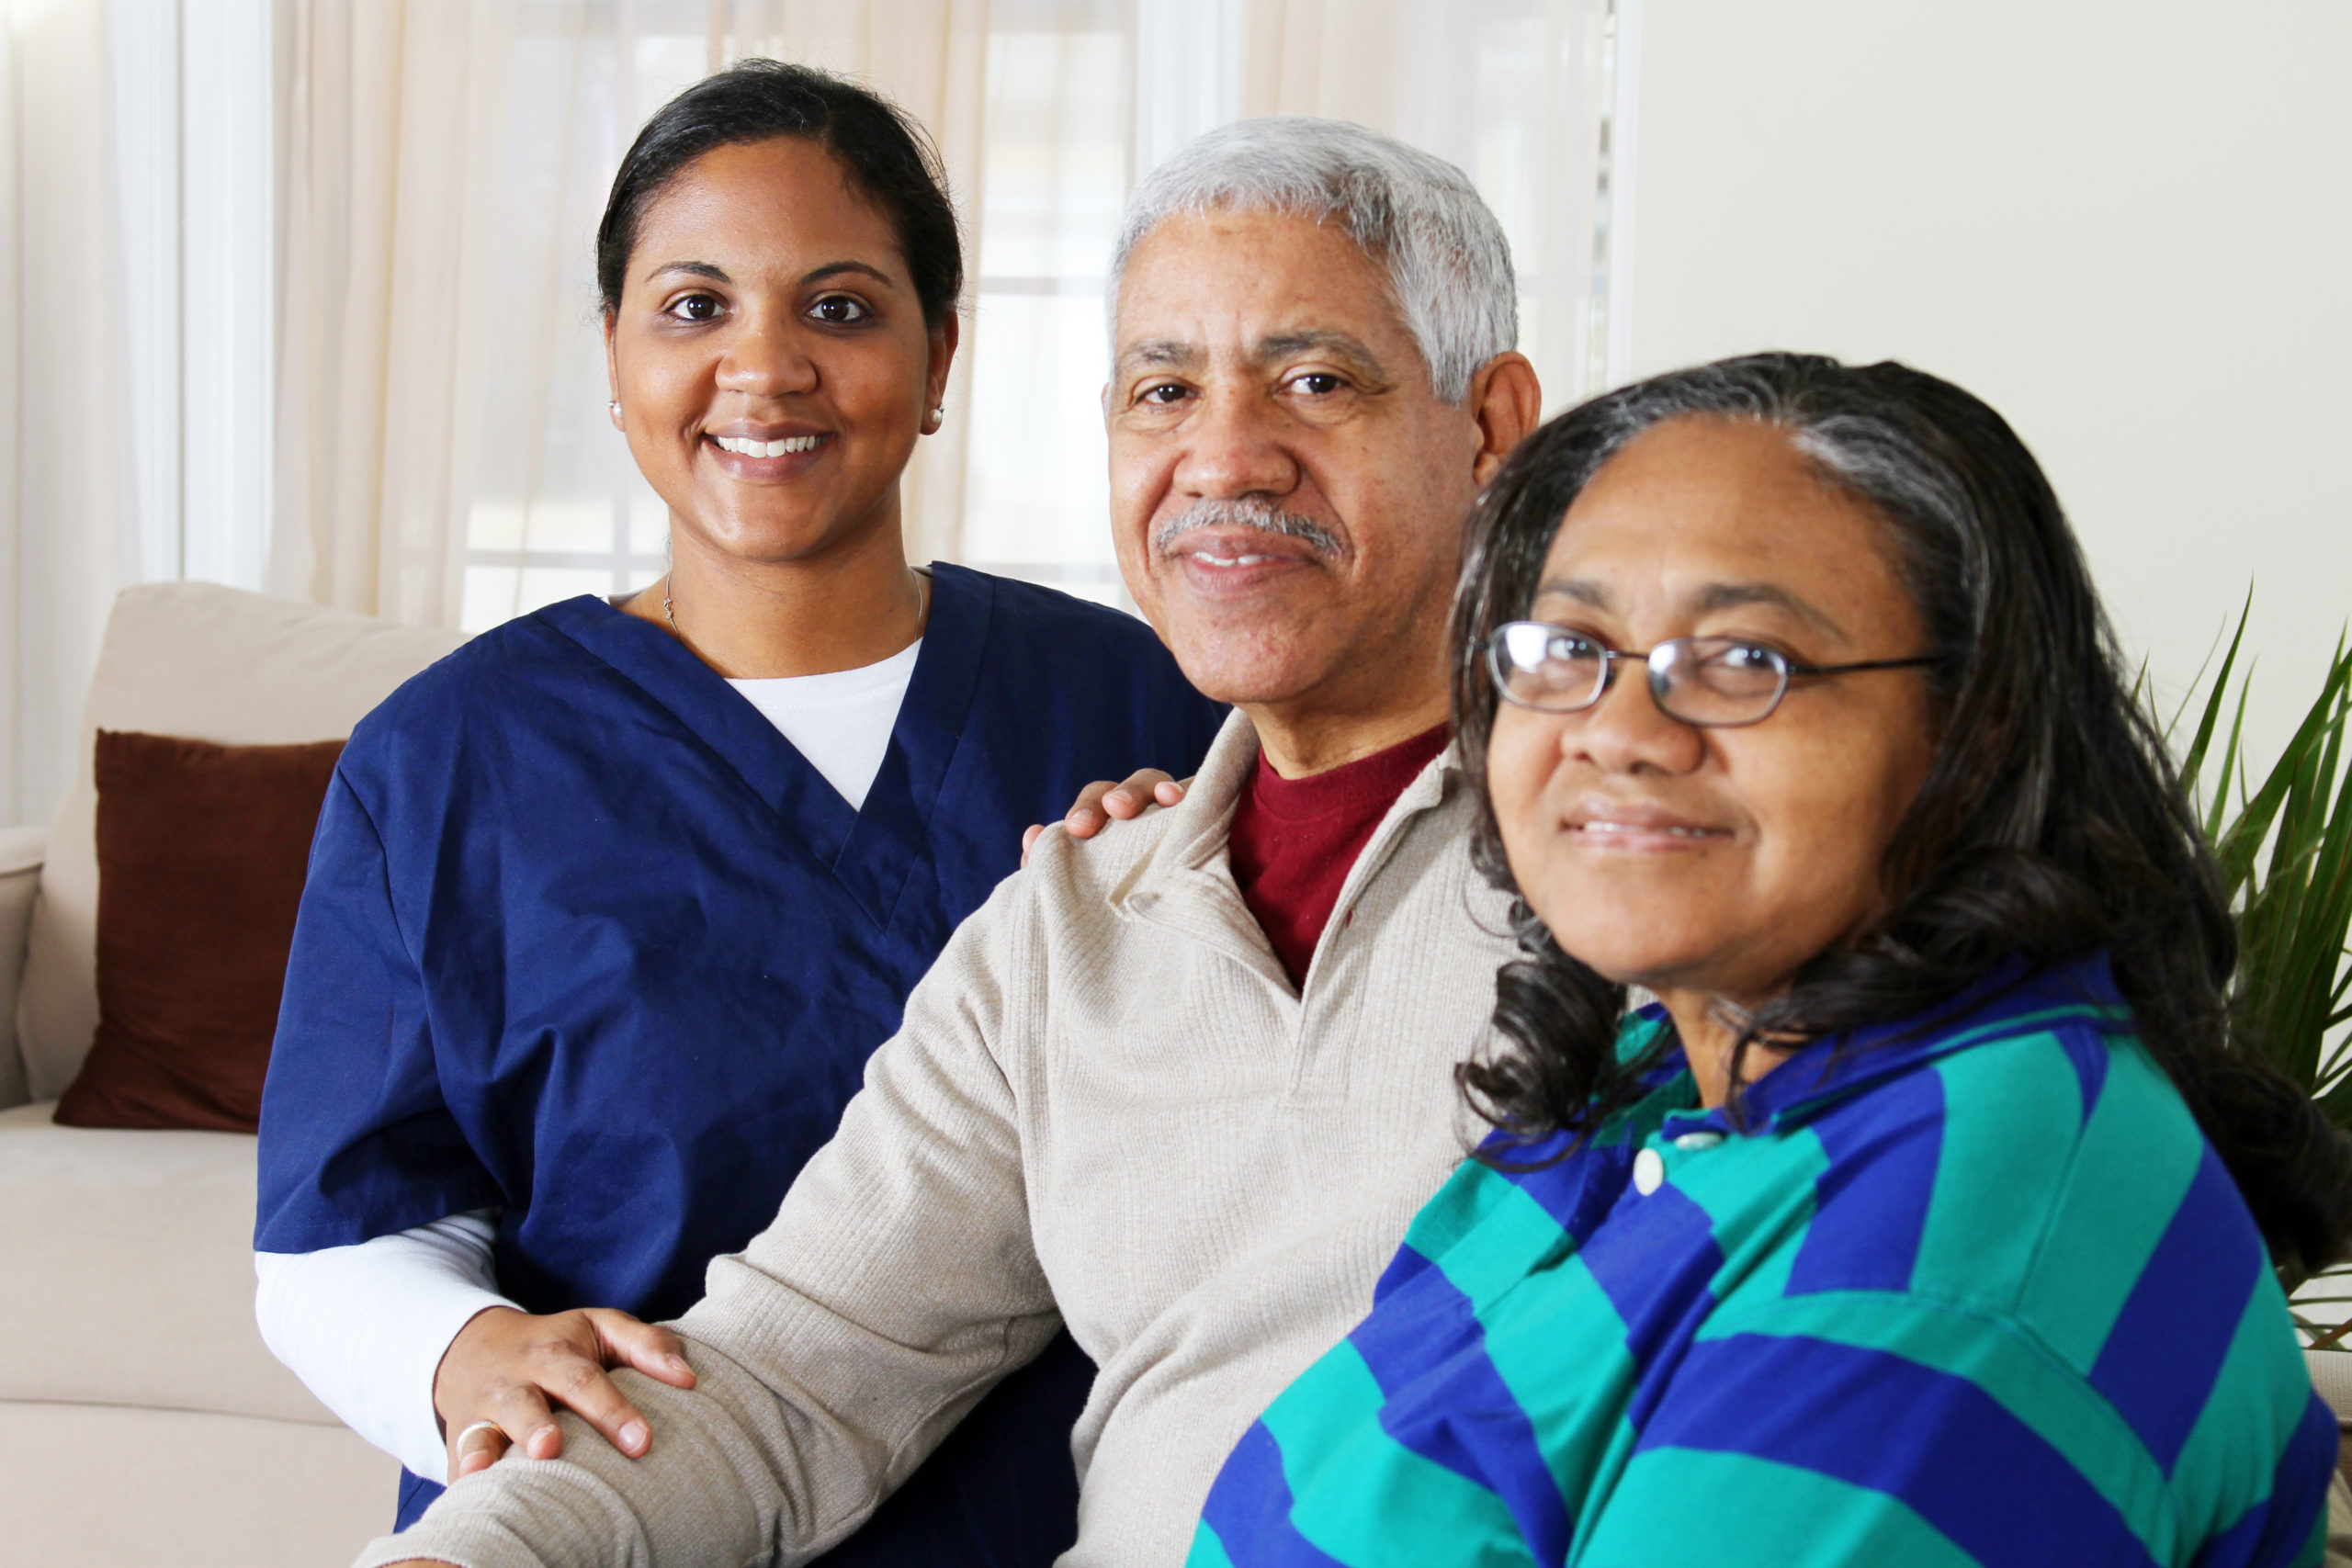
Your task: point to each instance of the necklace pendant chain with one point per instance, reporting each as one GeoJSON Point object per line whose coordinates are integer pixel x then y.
{"type": "Point", "coordinates": [922, 602]}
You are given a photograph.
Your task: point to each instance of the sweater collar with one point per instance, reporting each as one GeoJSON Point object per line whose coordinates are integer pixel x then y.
{"type": "Point", "coordinates": [1187, 881]}
{"type": "Point", "coordinates": [1197, 838]}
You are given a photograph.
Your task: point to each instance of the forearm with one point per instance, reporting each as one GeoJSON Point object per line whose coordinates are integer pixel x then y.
{"type": "Point", "coordinates": [365, 1327]}
{"type": "Point", "coordinates": [777, 1462]}
{"type": "Point", "coordinates": [828, 1365]}
{"type": "Point", "coordinates": [723, 1483]}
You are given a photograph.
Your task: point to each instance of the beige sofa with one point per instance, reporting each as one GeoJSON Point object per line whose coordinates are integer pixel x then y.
{"type": "Point", "coordinates": [141, 1420]}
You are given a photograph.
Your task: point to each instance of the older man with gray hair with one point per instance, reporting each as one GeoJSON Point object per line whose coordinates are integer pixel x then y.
{"type": "Point", "coordinates": [1180, 1087]}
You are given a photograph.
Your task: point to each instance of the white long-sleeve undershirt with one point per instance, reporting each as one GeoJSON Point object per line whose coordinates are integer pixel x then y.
{"type": "Point", "coordinates": [365, 1326]}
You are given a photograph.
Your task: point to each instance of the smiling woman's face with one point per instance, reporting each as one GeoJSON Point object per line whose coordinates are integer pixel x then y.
{"type": "Point", "coordinates": [770, 354]}
{"type": "Point", "coordinates": [1715, 862]}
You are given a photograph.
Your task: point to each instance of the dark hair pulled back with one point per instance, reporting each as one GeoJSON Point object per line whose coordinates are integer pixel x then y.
{"type": "Point", "coordinates": [885, 152]}
{"type": "Point", "coordinates": [2051, 823]}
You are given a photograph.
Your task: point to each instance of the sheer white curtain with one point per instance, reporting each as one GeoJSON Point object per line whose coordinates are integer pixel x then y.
{"type": "Point", "coordinates": [63, 470]}
{"type": "Point", "coordinates": [135, 288]}
{"type": "Point", "coordinates": [389, 242]}
{"type": "Point", "coordinates": [443, 450]}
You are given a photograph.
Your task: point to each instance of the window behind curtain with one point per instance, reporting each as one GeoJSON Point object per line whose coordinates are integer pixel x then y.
{"type": "Point", "coordinates": [558, 508]}
{"type": "Point", "coordinates": [1080, 98]}
{"type": "Point", "coordinates": [1054, 179]}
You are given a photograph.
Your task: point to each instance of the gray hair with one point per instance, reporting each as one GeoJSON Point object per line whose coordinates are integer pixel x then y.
{"type": "Point", "coordinates": [1416, 215]}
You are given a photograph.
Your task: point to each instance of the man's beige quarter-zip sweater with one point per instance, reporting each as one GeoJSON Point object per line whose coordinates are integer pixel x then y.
{"type": "Point", "coordinates": [1108, 1107]}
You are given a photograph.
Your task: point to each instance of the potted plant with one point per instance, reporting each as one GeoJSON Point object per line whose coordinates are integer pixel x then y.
{"type": "Point", "coordinates": [2284, 851]}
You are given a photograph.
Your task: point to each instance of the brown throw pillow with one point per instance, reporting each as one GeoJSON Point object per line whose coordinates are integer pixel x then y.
{"type": "Point", "coordinates": [202, 851]}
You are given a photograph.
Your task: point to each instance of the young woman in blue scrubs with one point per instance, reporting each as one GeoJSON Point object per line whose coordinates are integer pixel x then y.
{"type": "Point", "coordinates": [607, 909]}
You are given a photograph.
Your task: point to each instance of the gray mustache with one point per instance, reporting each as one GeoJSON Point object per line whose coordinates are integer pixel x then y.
{"type": "Point", "coordinates": [1261, 516]}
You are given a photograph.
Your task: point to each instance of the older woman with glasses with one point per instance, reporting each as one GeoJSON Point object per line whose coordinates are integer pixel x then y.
{"type": "Point", "coordinates": [1927, 1217]}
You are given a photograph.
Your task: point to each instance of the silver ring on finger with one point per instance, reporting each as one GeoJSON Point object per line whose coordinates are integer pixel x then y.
{"type": "Point", "coordinates": [478, 1427]}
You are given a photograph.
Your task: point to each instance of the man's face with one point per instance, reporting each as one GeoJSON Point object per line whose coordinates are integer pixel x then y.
{"type": "Point", "coordinates": [1287, 493]}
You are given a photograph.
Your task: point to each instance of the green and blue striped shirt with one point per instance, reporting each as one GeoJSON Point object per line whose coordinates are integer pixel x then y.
{"type": "Point", "coordinates": [1973, 1291]}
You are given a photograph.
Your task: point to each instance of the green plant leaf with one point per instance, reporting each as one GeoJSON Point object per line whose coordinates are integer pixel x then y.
{"type": "Point", "coordinates": [2284, 849]}
{"type": "Point", "coordinates": [2192, 761]}
{"type": "Point", "coordinates": [2237, 844]}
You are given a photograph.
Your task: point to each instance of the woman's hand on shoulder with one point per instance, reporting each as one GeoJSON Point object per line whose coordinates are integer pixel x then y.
{"type": "Point", "coordinates": [1103, 801]}
{"type": "Point", "coordinates": [505, 1371]}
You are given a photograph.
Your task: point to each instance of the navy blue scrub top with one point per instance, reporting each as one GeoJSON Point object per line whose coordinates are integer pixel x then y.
{"type": "Point", "coordinates": [587, 939]}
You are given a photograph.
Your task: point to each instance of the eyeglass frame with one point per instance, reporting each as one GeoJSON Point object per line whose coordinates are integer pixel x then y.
{"type": "Point", "coordinates": [1787, 668]}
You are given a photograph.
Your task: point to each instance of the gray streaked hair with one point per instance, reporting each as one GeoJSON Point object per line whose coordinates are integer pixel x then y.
{"type": "Point", "coordinates": [1415, 214]}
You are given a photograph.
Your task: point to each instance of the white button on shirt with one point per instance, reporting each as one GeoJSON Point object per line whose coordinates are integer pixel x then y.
{"type": "Point", "coordinates": [1649, 1172]}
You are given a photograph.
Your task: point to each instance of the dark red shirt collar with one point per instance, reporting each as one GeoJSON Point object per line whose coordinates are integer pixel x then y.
{"type": "Point", "coordinates": [1293, 840]}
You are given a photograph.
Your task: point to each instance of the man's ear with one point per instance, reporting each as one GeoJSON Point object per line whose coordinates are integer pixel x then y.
{"type": "Point", "coordinates": [1506, 402]}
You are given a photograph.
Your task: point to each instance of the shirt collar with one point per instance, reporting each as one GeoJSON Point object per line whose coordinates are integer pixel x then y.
{"type": "Point", "coordinates": [1186, 884]}
{"type": "Point", "coordinates": [2014, 998]}
{"type": "Point", "coordinates": [1197, 835]}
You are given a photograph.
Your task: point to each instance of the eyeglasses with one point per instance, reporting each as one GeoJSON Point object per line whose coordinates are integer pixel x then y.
{"type": "Point", "coordinates": [1715, 682]}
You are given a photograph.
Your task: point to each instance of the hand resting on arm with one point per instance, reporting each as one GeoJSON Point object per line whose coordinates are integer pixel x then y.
{"type": "Point", "coordinates": [406, 1338]}
{"type": "Point", "coordinates": [505, 1367]}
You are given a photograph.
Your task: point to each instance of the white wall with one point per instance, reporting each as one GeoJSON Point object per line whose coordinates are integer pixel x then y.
{"type": "Point", "coordinates": [2126, 225]}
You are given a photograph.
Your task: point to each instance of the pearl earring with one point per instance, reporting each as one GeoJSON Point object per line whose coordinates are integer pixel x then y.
{"type": "Point", "coordinates": [615, 407]}
{"type": "Point", "coordinates": [938, 417]}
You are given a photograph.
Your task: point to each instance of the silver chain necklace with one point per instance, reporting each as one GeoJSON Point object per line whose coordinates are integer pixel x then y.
{"type": "Point", "coordinates": [922, 602]}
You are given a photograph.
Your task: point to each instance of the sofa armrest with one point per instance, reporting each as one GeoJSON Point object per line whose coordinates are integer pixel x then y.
{"type": "Point", "coordinates": [21, 851]}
